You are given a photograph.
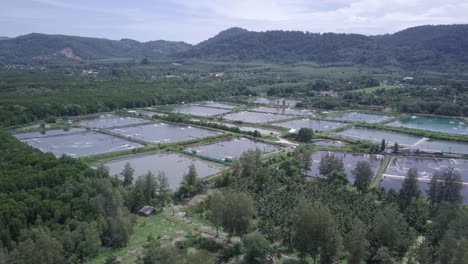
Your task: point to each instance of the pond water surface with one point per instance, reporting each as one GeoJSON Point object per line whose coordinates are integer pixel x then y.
{"type": "Point", "coordinates": [108, 121]}
{"type": "Point", "coordinates": [377, 135]}
{"type": "Point", "coordinates": [232, 149]}
{"type": "Point", "coordinates": [438, 124]}
{"type": "Point", "coordinates": [328, 143]}
{"type": "Point", "coordinates": [349, 160]}
{"type": "Point", "coordinates": [426, 167]}
{"type": "Point", "coordinates": [283, 111]}
{"type": "Point", "coordinates": [443, 146]}
{"type": "Point", "coordinates": [395, 185]}
{"type": "Point", "coordinates": [216, 104]}
{"type": "Point", "coordinates": [277, 101]}
{"type": "Point", "coordinates": [359, 117]}
{"type": "Point", "coordinates": [165, 132]}
{"type": "Point", "coordinates": [81, 144]}
{"type": "Point", "coordinates": [47, 133]}
{"type": "Point", "coordinates": [254, 117]}
{"type": "Point", "coordinates": [317, 125]}
{"type": "Point", "coordinates": [196, 110]}
{"type": "Point", "coordinates": [173, 165]}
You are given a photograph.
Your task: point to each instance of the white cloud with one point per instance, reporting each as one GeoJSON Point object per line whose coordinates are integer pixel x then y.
{"type": "Point", "coordinates": [197, 20]}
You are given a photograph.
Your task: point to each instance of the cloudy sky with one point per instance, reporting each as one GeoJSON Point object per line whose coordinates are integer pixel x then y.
{"type": "Point", "coordinates": [196, 20]}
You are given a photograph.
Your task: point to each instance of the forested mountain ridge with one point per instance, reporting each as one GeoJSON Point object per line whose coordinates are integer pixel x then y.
{"type": "Point", "coordinates": [425, 46]}
{"type": "Point", "coordinates": [435, 47]}
{"type": "Point", "coordinates": [43, 46]}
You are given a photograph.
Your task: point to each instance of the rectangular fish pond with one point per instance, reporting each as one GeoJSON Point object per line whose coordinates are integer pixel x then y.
{"type": "Point", "coordinates": [359, 117]}
{"type": "Point", "coordinates": [80, 144]}
{"type": "Point", "coordinates": [48, 133]}
{"type": "Point", "coordinates": [377, 135]}
{"type": "Point", "coordinates": [165, 132]}
{"type": "Point", "coordinates": [216, 104]}
{"type": "Point", "coordinates": [349, 160]}
{"type": "Point", "coordinates": [316, 125]}
{"type": "Point", "coordinates": [438, 124]}
{"type": "Point", "coordinates": [108, 121]}
{"type": "Point", "coordinates": [277, 101]}
{"type": "Point", "coordinates": [329, 143]}
{"type": "Point", "coordinates": [173, 165]}
{"type": "Point", "coordinates": [445, 146]}
{"type": "Point", "coordinates": [254, 117]}
{"type": "Point", "coordinates": [233, 148]}
{"type": "Point", "coordinates": [262, 131]}
{"type": "Point", "coordinates": [426, 167]}
{"type": "Point", "coordinates": [283, 111]}
{"type": "Point", "coordinates": [189, 109]}
{"type": "Point", "coordinates": [395, 185]}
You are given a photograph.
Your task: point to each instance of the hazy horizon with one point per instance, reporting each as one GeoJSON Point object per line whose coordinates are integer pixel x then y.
{"type": "Point", "coordinates": [193, 22]}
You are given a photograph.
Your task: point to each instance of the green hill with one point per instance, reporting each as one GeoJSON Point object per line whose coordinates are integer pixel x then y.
{"type": "Point", "coordinates": [424, 47]}
{"type": "Point", "coordinates": [42, 46]}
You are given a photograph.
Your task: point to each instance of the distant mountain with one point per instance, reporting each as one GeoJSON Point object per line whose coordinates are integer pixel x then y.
{"type": "Point", "coordinates": [441, 47]}
{"type": "Point", "coordinates": [424, 46]}
{"type": "Point", "coordinates": [42, 46]}
{"type": "Point", "coordinates": [4, 38]}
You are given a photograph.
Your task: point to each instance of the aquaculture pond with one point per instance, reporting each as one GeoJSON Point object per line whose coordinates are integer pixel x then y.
{"type": "Point", "coordinates": [80, 144]}
{"type": "Point", "coordinates": [254, 117]}
{"type": "Point", "coordinates": [148, 113]}
{"type": "Point", "coordinates": [216, 104]}
{"type": "Point", "coordinates": [377, 135]}
{"type": "Point", "coordinates": [48, 133]}
{"type": "Point", "coordinates": [329, 143]}
{"type": "Point", "coordinates": [263, 131]}
{"type": "Point", "coordinates": [426, 167]}
{"type": "Point", "coordinates": [173, 165]}
{"type": "Point", "coordinates": [349, 160]}
{"type": "Point", "coordinates": [396, 184]}
{"type": "Point", "coordinates": [277, 101]}
{"type": "Point", "coordinates": [443, 146]}
{"type": "Point", "coordinates": [317, 125]}
{"type": "Point", "coordinates": [359, 117]}
{"type": "Point", "coordinates": [165, 132]}
{"type": "Point", "coordinates": [438, 124]}
{"type": "Point", "coordinates": [108, 121]}
{"type": "Point", "coordinates": [283, 111]}
{"type": "Point", "coordinates": [233, 148]}
{"type": "Point", "coordinates": [195, 110]}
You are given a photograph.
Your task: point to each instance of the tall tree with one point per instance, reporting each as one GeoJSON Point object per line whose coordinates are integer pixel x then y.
{"type": "Point", "coordinates": [391, 230]}
{"type": "Point", "coordinates": [356, 242]}
{"type": "Point", "coordinates": [237, 212]}
{"type": "Point", "coordinates": [127, 174]}
{"type": "Point", "coordinates": [383, 145]}
{"type": "Point", "coordinates": [163, 191]}
{"type": "Point", "coordinates": [410, 188]}
{"type": "Point", "coordinates": [329, 164]}
{"type": "Point", "coordinates": [363, 175]}
{"type": "Point", "coordinates": [102, 171]}
{"type": "Point", "coordinates": [446, 186]}
{"type": "Point", "coordinates": [217, 207]}
{"type": "Point", "coordinates": [190, 184]}
{"type": "Point", "coordinates": [256, 248]}
{"type": "Point", "coordinates": [314, 232]}
{"type": "Point", "coordinates": [304, 134]}
{"type": "Point", "coordinates": [396, 147]}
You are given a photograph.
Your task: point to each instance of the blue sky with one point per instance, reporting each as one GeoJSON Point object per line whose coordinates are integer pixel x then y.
{"type": "Point", "coordinates": [196, 20]}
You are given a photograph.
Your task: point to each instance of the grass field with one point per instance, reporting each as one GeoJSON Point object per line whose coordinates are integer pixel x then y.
{"type": "Point", "coordinates": [163, 224]}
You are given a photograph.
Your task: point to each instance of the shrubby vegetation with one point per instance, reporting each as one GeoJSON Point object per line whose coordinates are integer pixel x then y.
{"type": "Point", "coordinates": [56, 210]}
{"type": "Point", "coordinates": [331, 221]}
